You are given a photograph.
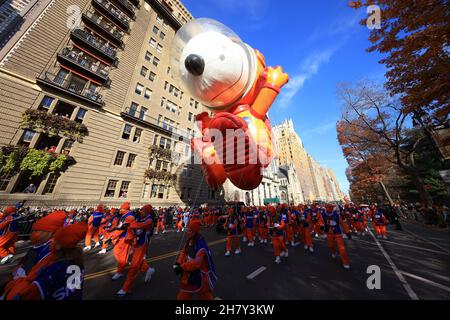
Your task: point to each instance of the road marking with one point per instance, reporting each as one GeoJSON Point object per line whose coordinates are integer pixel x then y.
{"type": "Point", "coordinates": [153, 259]}
{"type": "Point", "coordinates": [437, 285]}
{"type": "Point", "coordinates": [415, 247]}
{"type": "Point", "coordinates": [429, 241]}
{"type": "Point", "coordinates": [255, 273]}
{"type": "Point", "coordinates": [399, 275]}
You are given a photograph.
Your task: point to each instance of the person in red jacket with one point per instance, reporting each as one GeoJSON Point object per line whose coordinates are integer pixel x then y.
{"type": "Point", "coordinates": [195, 265]}
{"type": "Point", "coordinates": [277, 224]}
{"type": "Point", "coordinates": [379, 222]}
{"type": "Point", "coordinates": [123, 240]}
{"type": "Point", "coordinates": [9, 231]}
{"type": "Point", "coordinates": [142, 230]}
{"type": "Point", "coordinates": [61, 278]}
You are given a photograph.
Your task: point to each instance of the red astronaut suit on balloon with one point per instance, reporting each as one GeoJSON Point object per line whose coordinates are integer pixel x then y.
{"type": "Point", "coordinates": [233, 81]}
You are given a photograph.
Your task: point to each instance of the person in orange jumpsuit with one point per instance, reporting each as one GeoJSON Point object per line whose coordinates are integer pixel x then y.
{"type": "Point", "coordinates": [316, 220]}
{"type": "Point", "coordinates": [41, 239]}
{"type": "Point", "coordinates": [305, 229]}
{"type": "Point", "coordinates": [231, 225]}
{"type": "Point", "coordinates": [263, 230]}
{"type": "Point", "coordinates": [277, 224]}
{"type": "Point", "coordinates": [160, 224]}
{"type": "Point", "coordinates": [123, 240]}
{"type": "Point", "coordinates": [94, 223]}
{"type": "Point", "coordinates": [61, 277]}
{"type": "Point", "coordinates": [142, 230]}
{"type": "Point", "coordinates": [180, 224]}
{"type": "Point", "coordinates": [196, 267]}
{"type": "Point", "coordinates": [379, 222]}
{"type": "Point", "coordinates": [249, 222]}
{"type": "Point", "coordinates": [109, 222]}
{"type": "Point", "coordinates": [9, 231]}
{"type": "Point", "coordinates": [334, 234]}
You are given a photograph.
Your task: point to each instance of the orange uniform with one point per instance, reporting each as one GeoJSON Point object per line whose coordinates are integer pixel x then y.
{"type": "Point", "coordinates": [123, 239]}
{"type": "Point", "coordinates": [9, 231]}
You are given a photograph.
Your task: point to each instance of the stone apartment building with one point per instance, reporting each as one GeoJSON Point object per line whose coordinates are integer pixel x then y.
{"type": "Point", "coordinates": [90, 111]}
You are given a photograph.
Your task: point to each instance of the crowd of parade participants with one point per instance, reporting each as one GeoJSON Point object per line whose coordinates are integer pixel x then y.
{"type": "Point", "coordinates": [53, 267]}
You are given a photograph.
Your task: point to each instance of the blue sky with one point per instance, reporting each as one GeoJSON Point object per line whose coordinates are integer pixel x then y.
{"type": "Point", "coordinates": [319, 43]}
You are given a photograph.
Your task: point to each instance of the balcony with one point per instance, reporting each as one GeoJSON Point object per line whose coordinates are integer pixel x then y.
{"type": "Point", "coordinates": [158, 6]}
{"type": "Point", "coordinates": [70, 84]}
{"type": "Point", "coordinates": [115, 15]}
{"type": "Point", "coordinates": [105, 28]}
{"type": "Point", "coordinates": [84, 64]}
{"type": "Point", "coordinates": [127, 7]}
{"type": "Point", "coordinates": [135, 3]}
{"type": "Point", "coordinates": [101, 48]}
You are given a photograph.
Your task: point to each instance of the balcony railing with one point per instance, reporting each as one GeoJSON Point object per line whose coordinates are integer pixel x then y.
{"type": "Point", "coordinates": [80, 59]}
{"type": "Point", "coordinates": [127, 7]}
{"type": "Point", "coordinates": [71, 87]}
{"type": "Point", "coordinates": [155, 123]}
{"type": "Point", "coordinates": [136, 3]}
{"type": "Point", "coordinates": [116, 35]}
{"type": "Point", "coordinates": [117, 15]}
{"type": "Point", "coordinates": [93, 41]}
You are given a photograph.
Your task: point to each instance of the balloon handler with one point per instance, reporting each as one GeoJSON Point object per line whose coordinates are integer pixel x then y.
{"type": "Point", "coordinates": [195, 266]}
{"type": "Point", "coordinates": [232, 80]}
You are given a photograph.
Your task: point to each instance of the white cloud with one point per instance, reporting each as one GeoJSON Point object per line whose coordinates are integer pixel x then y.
{"type": "Point", "coordinates": [321, 129]}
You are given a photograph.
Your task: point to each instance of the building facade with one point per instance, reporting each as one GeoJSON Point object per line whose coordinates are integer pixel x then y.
{"type": "Point", "coordinates": [90, 81]}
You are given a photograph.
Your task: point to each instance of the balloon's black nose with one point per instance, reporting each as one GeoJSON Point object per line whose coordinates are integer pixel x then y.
{"type": "Point", "coordinates": [195, 64]}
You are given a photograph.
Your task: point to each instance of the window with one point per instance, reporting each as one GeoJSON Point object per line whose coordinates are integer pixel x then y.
{"type": "Point", "coordinates": [155, 30]}
{"type": "Point", "coordinates": [159, 48]}
{"type": "Point", "coordinates": [158, 165]}
{"type": "Point", "coordinates": [80, 115]}
{"type": "Point", "coordinates": [161, 192]}
{"type": "Point", "coordinates": [51, 183]}
{"type": "Point", "coordinates": [126, 132]}
{"type": "Point", "coordinates": [154, 191]}
{"type": "Point", "coordinates": [152, 76]}
{"type": "Point", "coordinates": [67, 146]}
{"type": "Point", "coordinates": [163, 102]}
{"type": "Point", "coordinates": [5, 179]}
{"type": "Point", "coordinates": [28, 136]}
{"type": "Point", "coordinates": [46, 103]}
{"type": "Point", "coordinates": [159, 19]}
{"type": "Point", "coordinates": [162, 142]}
{"type": "Point", "coordinates": [139, 89]}
{"type": "Point", "coordinates": [146, 192]}
{"type": "Point", "coordinates": [162, 35]}
{"type": "Point", "coordinates": [111, 189]}
{"type": "Point", "coordinates": [191, 116]}
{"type": "Point", "coordinates": [166, 84]}
{"type": "Point", "coordinates": [119, 158]}
{"type": "Point", "coordinates": [152, 42]}
{"type": "Point", "coordinates": [155, 61]}
{"type": "Point", "coordinates": [124, 189]}
{"type": "Point", "coordinates": [165, 25]}
{"type": "Point", "coordinates": [131, 160]}
{"type": "Point", "coordinates": [137, 135]}
{"type": "Point", "coordinates": [191, 102]}
{"type": "Point", "coordinates": [142, 113]}
{"type": "Point", "coordinates": [168, 70]}
{"type": "Point", "coordinates": [133, 109]}
{"type": "Point", "coordinates": [144, 71]}
{"type": "Point", "coordinates": [147, 94]}
{"type": "Point", "coordinates": [155, 139]}
{"type": "Point", "coordinates": [148, 56]}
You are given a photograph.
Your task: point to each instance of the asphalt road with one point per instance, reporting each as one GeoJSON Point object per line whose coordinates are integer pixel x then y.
{"type": "Point", "coordinates": [414, 264]}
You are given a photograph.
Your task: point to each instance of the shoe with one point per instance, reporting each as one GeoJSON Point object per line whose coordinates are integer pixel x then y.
{"type": "Point", "coordinates": [287, 253]}
{"type": "Point", "coordinates": [156, 232]}
{"type": "Point", "coordinates": [182, 230]}
{"type": "Point", "coordinates": [97, 244]}
{"type": "Point", "coordinates": [116, 276]}
{"type": "Point", "coordinates": [261, 241]}
{"type": "Point", "coordinates": [333, 256]}
{"type": "Point", "coordinates": [282, 254]}
{"type": "Point", "coordinates": [347, 266]}
{"type": "Point", "coordinates": [292, 244]}
{"type": "Point", "coordinates": [121, 293]}
{"type": "Point", "coordinates": [316, 235]}
{"type": "Point", "coordinates": [277, 260]}
{"type": "Point", "coordinates": [305, 247]}
{"type": "Point", "coordinates": [385, 237]}
{"type": "Point", "coordinates": [238, 251]}
{"type": "Point", "coordinates": [149, 274]}
{"type": "Point", "coordinates": [7, 259]}
{"type": "Point", "coordinates": [311, 249]}
{"type": "Point", "coordinates": [265, 241]}
{"type": "Point", "coordinates": [178, 230]}
{"type": "Point", "coordinates": [164, 231]}
{"type": "Point", "coordinates": [87, 248]}
{"type": "Point", "coordinates": [103, 251]}
{"type": "Point", "coordinates": [251, 244]}
{"type": "Point", "coordinates": [227, 254]}
{"type": "Point", "coordinates": [244, 239]}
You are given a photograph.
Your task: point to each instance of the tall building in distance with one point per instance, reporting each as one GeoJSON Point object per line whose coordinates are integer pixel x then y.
{"type": "Point", "coordinates": [317, 183]}
{"type": "Point", "coordinates": [89, 84]}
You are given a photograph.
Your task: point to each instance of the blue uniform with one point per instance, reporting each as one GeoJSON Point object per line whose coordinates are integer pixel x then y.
{"type": "Point", "coordinates": [332, 223]}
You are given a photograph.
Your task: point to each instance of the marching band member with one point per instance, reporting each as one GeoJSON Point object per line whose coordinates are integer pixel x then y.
{"type": "Point", "coordinates": [62, 277]}
{"type": "Point", "coordinates": [195, 266]}
{"type": "Point", "coordinates": [263, 230]}
{"type": "Point", "coordinates": [305, 229]}
{"type": "Point", "coordinates": [94, 223]}
{"type": "Point", "coordinates": [123, 240]}
{"type": "Point", "coordinates": [9, 231]}
{"type": "Point", "coordinates": [107, 228]}
{"type": "Point", "coordinates": [160, 224]}
{"type": "Point", "coordinates": [379, 222]}
{"type": "Point", "coordinates": [277, 226]}
{"type": "Point", "coordinates": [231, 225]}
{"type": "Point", "coordinates": [334, 235]}
{"type": "Point", "coordinates": [249, 221]}
{"type": "Point", "coordinates": [316, 220]}
{"type": "Point", "coordinates": [142, 230]}
{"type": "Point", "coordinates": [180, 224]}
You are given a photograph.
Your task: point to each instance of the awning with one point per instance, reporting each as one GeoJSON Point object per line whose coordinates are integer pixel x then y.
{"type": "Point", "coordinates": [271, 200]}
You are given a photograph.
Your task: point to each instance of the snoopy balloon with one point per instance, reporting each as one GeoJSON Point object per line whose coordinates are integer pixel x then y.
{"type": "Point", "coordinates": [231, 79]}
